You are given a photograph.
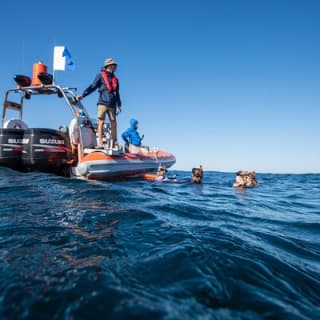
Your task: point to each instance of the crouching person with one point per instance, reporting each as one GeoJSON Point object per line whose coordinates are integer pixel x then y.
{"type": "Point", "coordinates": [133, 139]}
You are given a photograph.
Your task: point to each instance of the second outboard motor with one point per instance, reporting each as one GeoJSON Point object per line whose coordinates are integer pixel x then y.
{"type": "Point", "coordinates": [47, 150]}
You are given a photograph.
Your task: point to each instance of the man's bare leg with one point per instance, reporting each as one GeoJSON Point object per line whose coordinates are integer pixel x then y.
{"type": "Point", "coordinates": [100, 128]}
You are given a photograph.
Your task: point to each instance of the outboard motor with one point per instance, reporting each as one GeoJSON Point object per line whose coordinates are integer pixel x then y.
{"type": "Point", "coordinates": [47, 150]}
{"type": "Point", "coordinates": [10, 148]}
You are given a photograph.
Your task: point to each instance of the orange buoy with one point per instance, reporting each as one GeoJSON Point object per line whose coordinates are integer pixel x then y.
{"type": "Point", "coordinates": [148, 176]}
{"type": "Point", "coordinates": [36, 69]}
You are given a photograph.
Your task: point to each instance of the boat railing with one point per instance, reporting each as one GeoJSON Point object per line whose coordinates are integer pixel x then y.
{"type": "Point", "coordinates": [25, 93]}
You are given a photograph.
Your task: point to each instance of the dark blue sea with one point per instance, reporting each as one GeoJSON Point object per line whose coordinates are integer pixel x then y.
{"type": "Point", "coordinates": [73, 249]}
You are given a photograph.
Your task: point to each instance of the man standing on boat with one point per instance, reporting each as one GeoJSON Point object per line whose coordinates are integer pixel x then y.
{"type": "Point", "coordinates": [109, 99]}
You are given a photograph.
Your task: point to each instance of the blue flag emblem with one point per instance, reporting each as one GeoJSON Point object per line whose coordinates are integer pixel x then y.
{"type": "Point", "coordinates": [69, 63]}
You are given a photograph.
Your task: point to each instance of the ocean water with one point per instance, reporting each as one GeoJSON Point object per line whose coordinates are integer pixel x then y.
{"type": "Point", "coordinates": [73, 249]}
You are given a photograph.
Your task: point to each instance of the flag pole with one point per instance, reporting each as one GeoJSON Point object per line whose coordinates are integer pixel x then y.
{"type": "Point", "coordinates": [53, 66]}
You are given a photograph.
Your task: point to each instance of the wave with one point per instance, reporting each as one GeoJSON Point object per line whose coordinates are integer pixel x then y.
{"type": "Point", "coordinates": [139, 249]}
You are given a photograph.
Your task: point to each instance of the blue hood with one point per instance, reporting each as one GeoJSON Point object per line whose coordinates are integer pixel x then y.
{"type": "Point", "coordinates": [133, 122]}
{"type": "Point", "coordinates": [131, 135]}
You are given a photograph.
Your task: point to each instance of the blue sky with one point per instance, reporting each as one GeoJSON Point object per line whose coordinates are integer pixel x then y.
{"type": "Point", "coordinates": [227, 84]}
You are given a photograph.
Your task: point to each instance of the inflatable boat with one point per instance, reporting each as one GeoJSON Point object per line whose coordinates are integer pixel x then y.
{"type": "Point", "coordinates": [67, 150]}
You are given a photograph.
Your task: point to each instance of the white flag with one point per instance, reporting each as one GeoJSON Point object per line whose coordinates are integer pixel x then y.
{"type": "Point", "coordinates": [62, 59]}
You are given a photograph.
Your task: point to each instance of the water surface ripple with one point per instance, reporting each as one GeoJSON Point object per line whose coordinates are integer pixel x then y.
{"type": "Point", "coordinates": [73, 249]}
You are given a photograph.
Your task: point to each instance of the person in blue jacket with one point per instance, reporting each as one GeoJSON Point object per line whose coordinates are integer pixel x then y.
{"type": "Point", "coordinates": [109, 101]}
{"type": "Point", "coordinates": [131, 135]}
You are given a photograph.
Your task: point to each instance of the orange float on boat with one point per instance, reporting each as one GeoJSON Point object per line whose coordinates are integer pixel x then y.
{"type": "Point", "coordinates": [36, 69]}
